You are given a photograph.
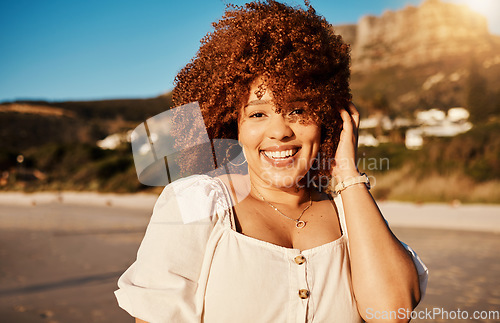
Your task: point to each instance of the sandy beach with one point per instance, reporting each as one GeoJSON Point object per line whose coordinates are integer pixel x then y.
{"type": "Point", "coordinates": [62, 253]}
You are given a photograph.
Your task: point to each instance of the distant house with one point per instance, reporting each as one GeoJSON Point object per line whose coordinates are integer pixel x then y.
{"type": "Point", "coordinates": [414, 139]}
{"type": "Point", "coordinates": [437, 123]}
{"type": "Point", "coordinates": [367, 139]}
{"type": "Point", "coordinates": [375, 121]}
{"type": "Point", "coordinates": [458, 115]}
{"type": "Point", "coordinates": [430, 117]}
{"type": "Point", "coordinates": [114, 140]}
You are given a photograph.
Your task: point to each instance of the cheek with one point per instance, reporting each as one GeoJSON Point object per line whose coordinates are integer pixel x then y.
{"type": "Point", "coordinates": [314, 138]}
{"type": "Point", "coordinates": [312, 135]}
{"type": "Point", "coordinates": [248, 136]}
{"type": "Point", "coordinates": [317, 135]}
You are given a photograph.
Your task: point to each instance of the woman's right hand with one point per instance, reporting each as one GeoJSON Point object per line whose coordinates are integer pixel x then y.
{"type": "Point", "coordinates": [345, 157]}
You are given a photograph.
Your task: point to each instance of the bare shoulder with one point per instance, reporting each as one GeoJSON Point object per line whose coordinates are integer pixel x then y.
{"type": "Point", "coordinates": [238, 185]}
{"type": "Point", "coordinates": [235, 178]}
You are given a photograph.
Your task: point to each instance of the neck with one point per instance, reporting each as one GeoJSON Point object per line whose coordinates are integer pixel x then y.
{"type": "Point", "coordinates": [292, 196]}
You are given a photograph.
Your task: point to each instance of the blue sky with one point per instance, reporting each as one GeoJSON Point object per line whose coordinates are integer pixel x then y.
{"type": "Point", "coordinates": [85, 50]}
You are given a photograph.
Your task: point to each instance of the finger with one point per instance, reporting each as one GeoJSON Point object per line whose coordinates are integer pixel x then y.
{"type": "Point", "coordinates": [347, 120]}
{"type": "Point", "coordinates": [354, 114]}
{"type": "Point", "coordinates": [349, 124]}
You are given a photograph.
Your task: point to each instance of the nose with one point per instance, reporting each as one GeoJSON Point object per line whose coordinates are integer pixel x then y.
{"type": "Point", "coordinates": [278, 127]}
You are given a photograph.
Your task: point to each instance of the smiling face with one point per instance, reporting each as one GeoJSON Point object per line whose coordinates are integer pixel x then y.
{"type": "Point", "coordinates": [279, 147]}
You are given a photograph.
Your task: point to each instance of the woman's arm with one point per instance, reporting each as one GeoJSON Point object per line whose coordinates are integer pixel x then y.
{"type": "Point", "coordinates": [383, 273]}
{"type": "Point", "coordinates": [139, 321]}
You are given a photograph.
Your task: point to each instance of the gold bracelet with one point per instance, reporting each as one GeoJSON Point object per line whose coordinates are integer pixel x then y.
{"type": "Point", "coordinates": [352, 181]}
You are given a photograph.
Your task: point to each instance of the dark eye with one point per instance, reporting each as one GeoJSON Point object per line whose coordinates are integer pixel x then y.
{"type": "Point", "coordinates": [297, 111]}
{"type": "Point", "coordinates": [257, 115]}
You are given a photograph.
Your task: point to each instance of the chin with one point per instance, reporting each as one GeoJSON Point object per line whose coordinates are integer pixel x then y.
{"type": "Point", "coordinates": [281, 180]}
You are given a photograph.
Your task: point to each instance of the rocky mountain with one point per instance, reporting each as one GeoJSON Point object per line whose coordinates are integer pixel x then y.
{"type": "Point", "coordinates": [412, 59]}
{"type": "Point", "coordinates": [420, 57]}
{"type": "Point", "coordinates": [418, 35]}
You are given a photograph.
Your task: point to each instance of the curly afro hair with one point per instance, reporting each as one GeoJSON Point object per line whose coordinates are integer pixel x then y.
{"type": "Point", "coordinates": [295, 50]}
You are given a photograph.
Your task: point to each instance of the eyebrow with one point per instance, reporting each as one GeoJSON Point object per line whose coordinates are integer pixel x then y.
{"type": "Point", "coordinates": [258, 102]}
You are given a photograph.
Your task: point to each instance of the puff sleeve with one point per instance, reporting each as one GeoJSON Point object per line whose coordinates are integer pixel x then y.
{"type": "Point", "coordinates": [163, 284]}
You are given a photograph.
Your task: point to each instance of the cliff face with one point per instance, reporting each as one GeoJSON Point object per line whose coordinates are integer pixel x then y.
{"type": "Point", "coordinates": [414, 36]}
{"type": "Point", "coordinates": [420, 57]}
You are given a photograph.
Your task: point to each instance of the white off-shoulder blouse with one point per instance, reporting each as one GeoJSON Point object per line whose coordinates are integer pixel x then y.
{"type": "Point", "coordinates": [193, 266]}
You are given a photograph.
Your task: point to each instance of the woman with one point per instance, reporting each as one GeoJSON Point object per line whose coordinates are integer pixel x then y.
{"type": "Point", "coordinates": [272, 245]}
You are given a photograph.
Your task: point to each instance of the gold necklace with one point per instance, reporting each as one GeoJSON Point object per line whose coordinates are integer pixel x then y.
{"type": "Point", "coordinates": [299, 224]}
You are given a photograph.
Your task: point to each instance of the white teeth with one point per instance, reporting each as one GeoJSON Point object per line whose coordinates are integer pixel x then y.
{"type": "Point", "coordinates": [280, 154]}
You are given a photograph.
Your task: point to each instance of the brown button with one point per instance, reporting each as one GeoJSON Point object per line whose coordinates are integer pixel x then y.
{"type": "Point", "coordinates": [299, 260]}
{"type": "Point", "coordinates": [303, 293]}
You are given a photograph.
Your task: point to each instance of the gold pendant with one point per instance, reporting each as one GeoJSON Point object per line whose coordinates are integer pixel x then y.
{"type": "Point", "coordinates": [300, 224]}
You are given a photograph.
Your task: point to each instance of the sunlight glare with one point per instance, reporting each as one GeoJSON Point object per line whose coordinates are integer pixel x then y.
{"type": "Point", "coordinates": [488, 8]}
{"type": "Point", "coordinates": [481, 6]}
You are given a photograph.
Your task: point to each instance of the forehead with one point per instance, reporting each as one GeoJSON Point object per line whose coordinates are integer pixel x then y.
{"type": "Point", "coordinates": [260, 94]}
{"type": "Point", "coordinates": [259, 91]}
{"type": "Point", "coordinates": [261, 97]}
